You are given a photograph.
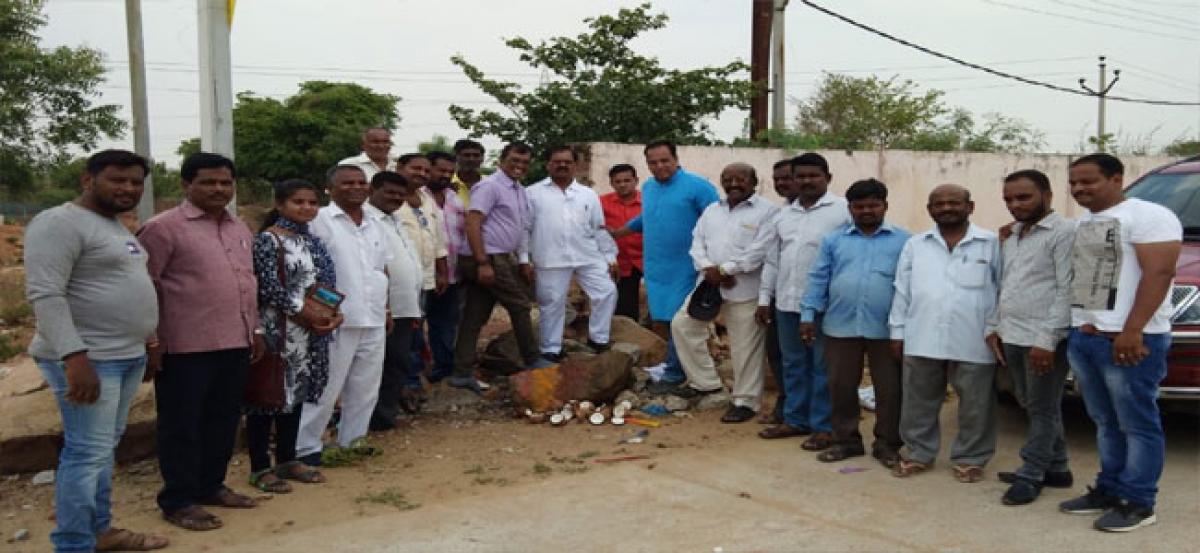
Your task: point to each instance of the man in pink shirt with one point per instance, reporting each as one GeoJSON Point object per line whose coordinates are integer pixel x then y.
{"type": "Point", "coordinates": [200, 263]}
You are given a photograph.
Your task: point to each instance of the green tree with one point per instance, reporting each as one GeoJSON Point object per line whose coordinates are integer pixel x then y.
{"type": "Point", "coordinates": [438, 143]}
{"type": "Point", "coordinates": [303, 135]}
{"type": "Point", "coordinates": [860, 113]}
{"type": "Point", "coordinates": [46, 98]}
{"type": "Point", "coordinates": [1182, 147]}
{"type": "Point", "coordinates": [601, 90]}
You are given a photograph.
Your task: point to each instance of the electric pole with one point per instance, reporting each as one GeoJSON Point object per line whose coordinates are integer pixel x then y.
{"type": "Point", "coordinates": [216, 81]}
{"type": "Point", "coordinates": [778, 96]}
{"type": "Point", "coordinates": [760, 61]}
{"type": "Point", "coordinates": [1100, 93]}
{"type": "Point", "coordinates": [138, 105]}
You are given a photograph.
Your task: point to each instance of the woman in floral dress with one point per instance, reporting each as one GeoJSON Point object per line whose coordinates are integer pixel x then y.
{"type": "Point", "coordinates": [305, 334]}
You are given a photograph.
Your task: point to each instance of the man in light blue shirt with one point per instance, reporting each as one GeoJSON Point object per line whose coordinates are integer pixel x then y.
{"type": "Point", "coordinates": [947, 282]}
{"type": "Point", "coordinates": [849, 295]}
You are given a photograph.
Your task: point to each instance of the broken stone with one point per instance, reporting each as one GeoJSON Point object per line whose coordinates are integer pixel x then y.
{"type": "Point", "coordinates": [43, 478]}
{"type": "Point", "coordinates": [628, 396]}
{"type": "Point", "coordinates": [633, 350]}
{"type": "Point", "coordinates": [719, 400]}
{"type": "Point", "coordinates": [675, 403]}
{"type": "Point", "coordinates": [21, 535]}
{"type": "Point", "coordinates": [597, 378]}
{"type": "Point", "coordinates": [653, 348]}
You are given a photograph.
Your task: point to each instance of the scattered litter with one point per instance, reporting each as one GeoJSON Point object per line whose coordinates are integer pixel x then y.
{"type": "Point", "coordinates": [657, 372]}
{"type": "Point", "coordinates": [866, 398]}
{"type": "Point", "coordinates": [642, 422]}
{"type": "Point", "coordinates": [622, 458]}
{"type": "Point", "coordinates": [622, 409]}
{"type": "Point", "coordinates": [851, 470]}
{"type": "Point", "coordinates": [681, 415]}
{"type": "Point", "coordinates": [596, 418]}
{"type": "Point", "coordinates": [655, 410]}
{"type": "Point", "coordinates": [676, 403]}
{"type": "Point", "coordinates": [617, 421]}
{"type": "Point", "coordinates": [744, 495]}
{"type": "Point", "coordinates": [637, 438]}
{"type": "Point", "coordinates": [21, 535]}
{"type": "Point", "coordinates": [43, 478]}
{"type": "Point", "coordinates": [26, 507]}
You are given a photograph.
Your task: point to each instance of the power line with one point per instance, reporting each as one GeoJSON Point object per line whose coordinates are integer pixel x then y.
{"type": "Point", "coordinates": [995, 72]}
{"type": "Point", "coordinates": [1091, 21]}
{"type": "Point", "coordinates": [1190, 28]}
{"type": "Point", "coordinates": [1193, 5]}
{"type": "Point", "coordinates": [1142, 12]}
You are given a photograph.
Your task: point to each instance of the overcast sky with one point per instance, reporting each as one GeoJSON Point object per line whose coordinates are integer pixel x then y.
{"type": "Point", "coordinates": [403, 47]}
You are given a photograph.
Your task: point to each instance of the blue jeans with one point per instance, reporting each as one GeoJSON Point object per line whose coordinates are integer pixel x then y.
{"type": "Point", "coordinates": [442, 314]}
{"type": "Point", "coordinates": [83, 489]}
{"type": "Point", "coordinates": [1123, 402]}
{"type": "Point", "coordinates": [805, 376]}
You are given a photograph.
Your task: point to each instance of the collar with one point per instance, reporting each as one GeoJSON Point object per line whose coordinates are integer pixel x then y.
{"type": "Point", "coordinates": [573, 187]}
{"type": "Point", "coordinates": [885, 227]}
{"type": "Point", "coordinates": [823, 201]}
{"type": "Point", "coordinates": [750, 201]}
{"type": "Point", "coordinates": [368, 209]}
{"type": "Point", "coordinates": [190, 211]}
{"type": "Point", "coordinates": [336, 210]}
{"type": "Point", "coordinates": [974, 232]}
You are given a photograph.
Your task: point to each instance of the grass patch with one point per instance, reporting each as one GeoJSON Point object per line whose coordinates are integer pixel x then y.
{"type": "Point", "coordinates": [8, 347]}
{"type": "Point", "coordinates": [391, 496]}
{"type": "Point", "coordinates": [358, 451]}
{"type": "Point", "coordinates": [588, 454]}
{"type": "Point", "coordinates": [485, 480]}
{"type": "Point", "coordinates": [477, 469]}
{"type": "Point", "coordinates": [542, 468]}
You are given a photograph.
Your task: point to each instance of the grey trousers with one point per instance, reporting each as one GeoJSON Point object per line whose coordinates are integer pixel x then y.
{"type": "Point", "coordinates": [1045, 450]}
{"type": "Point", "coordinates": [924, 392]}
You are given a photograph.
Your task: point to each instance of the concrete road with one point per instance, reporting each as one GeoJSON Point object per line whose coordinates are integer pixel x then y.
{"type": "Point", "coordinates": [771, 496]}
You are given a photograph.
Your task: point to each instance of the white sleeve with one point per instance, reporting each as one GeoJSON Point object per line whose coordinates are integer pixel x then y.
{"type": "Point", "coordinates": [1155, 223]}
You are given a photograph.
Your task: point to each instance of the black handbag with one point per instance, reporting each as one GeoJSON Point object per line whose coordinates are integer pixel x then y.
{"type": "Point", "coordinates": [264, 382]}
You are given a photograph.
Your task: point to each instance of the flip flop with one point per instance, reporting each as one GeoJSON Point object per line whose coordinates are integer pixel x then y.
{"type": "Point", "coordinates": [968, 474]}
{"type": "Point", "coordinates": [278, 485]}
{"type": "Point", "coordinates": [193, 518]}
{"type": "Point", "coordinates": [226, 497]}
{"type": "Point", "coordinates": [782, 431]}
{"type": "Point", "coordinates": [905, 468]}
{"type": "Point", "coordinates": [295, 470]}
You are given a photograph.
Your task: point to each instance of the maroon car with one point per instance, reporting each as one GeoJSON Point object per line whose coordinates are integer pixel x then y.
{"type": "Point", "coordinates": [1177, 187]}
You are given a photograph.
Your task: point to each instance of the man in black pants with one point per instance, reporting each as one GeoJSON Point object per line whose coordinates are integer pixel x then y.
{"type": "Point", "coordinates": [201, 266]}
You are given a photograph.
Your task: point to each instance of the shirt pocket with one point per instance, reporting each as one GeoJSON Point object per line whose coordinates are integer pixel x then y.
{"type": "Point", "coordinates": [971, 273]}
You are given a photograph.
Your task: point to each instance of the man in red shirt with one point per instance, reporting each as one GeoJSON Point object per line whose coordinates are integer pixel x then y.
{"type": "Point", "coordinates": [620, 206]}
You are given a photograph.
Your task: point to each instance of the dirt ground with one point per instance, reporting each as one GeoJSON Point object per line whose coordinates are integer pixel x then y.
{"type": "Point", "coordinates": [458, 482]}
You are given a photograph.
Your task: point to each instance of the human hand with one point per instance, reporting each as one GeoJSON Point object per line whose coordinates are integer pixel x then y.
{"type": "Point", "coordinates": [154, 355]}
{"type": "Point", "coordinates": [258, 348]}
{"type": "Point", "coordinates": [1040, 360]}
{"type": "Point", "coordinates": [997, 347]}
{"type": "Point", "coordinates": [712, 275]}
{"type": "Point", "coordinates": [1129, 349]}
{"type": "Point", "coordinates": [898, 349]}
{"type": "Point", "coordinates": [763, 315]}
{"type": "Point", "coordinates": [808, 332]}
{"type": "Point", "coordinates": [486, 275]}
{"type": "Point", "coordinates": [527, 272]}
{"type": "Point", "coordinates": [83, 386]}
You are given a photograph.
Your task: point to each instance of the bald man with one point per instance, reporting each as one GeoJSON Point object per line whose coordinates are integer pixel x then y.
{"type": "Point", "coordinates": [947, 282]}
{"type": "Point", "coordinates": [723, 233]}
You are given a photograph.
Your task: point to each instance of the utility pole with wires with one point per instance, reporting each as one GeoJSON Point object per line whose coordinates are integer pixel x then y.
{"type": "Point", "coordinates": [760, 61]}
{"type": "Point", "coordinates": [137, 101]}
{"type": "Point", "coordinates": [778, 95]}
{"type": "Point", "coordinates": [216, 81]}
{"type": "Point", "coordinates": [1100, 93]}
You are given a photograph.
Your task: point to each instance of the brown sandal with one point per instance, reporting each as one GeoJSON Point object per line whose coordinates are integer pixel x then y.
{"type": "Point", "coordinates": [840, 453]}
{"type": "Point", "coordinates": [300, 472]}
{"type": "Point", "coordinates": [193, 518]}
{"type": "Point", "coordinates": [905, 468]}
{"type": "Point", "coordinates": [782, 431]}
{"type": "Point", "coordinates": [818, 442]}
{"type": "Point", "coordinates": [229, 498]}
{"type": "Point", "coordinates": [968, 474]}
{"type": "Point", "coordinates": [118, 539]}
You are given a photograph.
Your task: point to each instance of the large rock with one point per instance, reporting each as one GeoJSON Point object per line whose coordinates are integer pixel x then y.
{"type": "Point", "coordinates": [654, 348]}
{"type": "Point", "coordinates": [31, 427]}
{"type": "Point", "coordinates": [597, 378]}
{"type": "Point", "coordinates": [501, 355]}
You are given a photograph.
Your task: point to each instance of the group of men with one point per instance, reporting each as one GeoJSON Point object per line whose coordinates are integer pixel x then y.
{"type": "Point", "coordinates": [425, 246]}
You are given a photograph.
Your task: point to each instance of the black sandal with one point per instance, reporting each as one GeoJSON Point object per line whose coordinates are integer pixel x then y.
{"type": "Point", "coordinates": [277, 485]}
{"type": "Point", "coordinates": [840, 453]}
{"type": "Point", "coordinates": [295, 470]}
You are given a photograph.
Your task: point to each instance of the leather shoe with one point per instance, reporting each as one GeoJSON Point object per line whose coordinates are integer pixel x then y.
{"type": "Point", "coordinates": [1051, 479]}
{"type": "Point", "coordinates": [738, 413]}
{"type": "Point", "coordinates": [1022, 492]}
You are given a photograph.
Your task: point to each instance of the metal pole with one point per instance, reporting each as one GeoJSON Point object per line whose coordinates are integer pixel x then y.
{"type": "Point", "coordinates": [1101, 140]}
{"type": "Point", "coordinates": [138, 101]}
{"type": "Point", "coordinates": [216, 81]}
{"type": "Point", "coordinates": [778, 93]}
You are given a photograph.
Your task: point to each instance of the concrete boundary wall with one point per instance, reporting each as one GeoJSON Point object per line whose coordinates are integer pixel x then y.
{"type": "Point", "coordinates": [909, 175]}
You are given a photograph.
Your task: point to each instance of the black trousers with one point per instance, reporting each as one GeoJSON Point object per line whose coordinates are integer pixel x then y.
{"type": "Point", "coordinates": [258, 438]}
{"type": "Point", "coordinates": [199, 399]}
{"type": "Point", "coordinates": [629, 293]}
{"type": "Point", "coordinates": [396, 363]}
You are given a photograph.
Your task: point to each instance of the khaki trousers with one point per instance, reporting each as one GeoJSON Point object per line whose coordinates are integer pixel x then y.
{"type": "Point", "coordinates": [747, 349]}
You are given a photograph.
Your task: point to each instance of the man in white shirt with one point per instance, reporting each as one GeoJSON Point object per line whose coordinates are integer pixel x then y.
{"type": "Point", "coordinates": [1124, 261]}
{"type": "Point", "coordinates": [389, 191]}
{"type": "Point", "coordinates": [947, 282]}
{"type": "Point", "coordinates": [789, 245]}
{"type": "Point", "coordinates": [566, 238]}
{"type": "Point", "coordinates": [360, 256]}
{"type": "Point", "coordinates": [376, 144]}
{"type": "Point", "coordinates": [724, 231]}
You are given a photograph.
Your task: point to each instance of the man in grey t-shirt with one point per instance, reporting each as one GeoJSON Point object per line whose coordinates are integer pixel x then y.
{"type": "Point", "coordinates": [96, 312]}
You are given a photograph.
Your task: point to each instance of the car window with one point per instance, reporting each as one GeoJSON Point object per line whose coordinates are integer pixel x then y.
{"type": "Point", "coordinates": [1179, 192]}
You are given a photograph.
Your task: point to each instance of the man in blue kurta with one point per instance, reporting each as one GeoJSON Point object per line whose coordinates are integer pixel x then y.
{"type": "Point", "coordinates": [672, 201]}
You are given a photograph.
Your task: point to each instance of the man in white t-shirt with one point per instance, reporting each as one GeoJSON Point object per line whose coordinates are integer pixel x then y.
{"type": "Point", "coordinates": [1124, 261]}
